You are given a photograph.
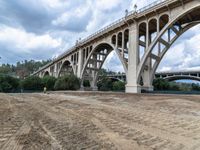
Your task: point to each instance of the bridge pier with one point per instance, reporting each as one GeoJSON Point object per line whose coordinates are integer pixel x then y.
{"type": "Point", "coordinates": [147, 83]}
{"type": "Point", "coordinates": [132, 84]}
{"type": "Point", "coordinates": [80, 63]}
{"type": "Point", "coordinates": [94, 88]}
{"type": "Point", "coordinates": [147, 88]}
{"type": "Point", "coordinates": [133, 89]}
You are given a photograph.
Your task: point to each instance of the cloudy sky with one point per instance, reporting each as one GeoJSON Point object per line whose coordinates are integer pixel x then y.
{"type": "Point", "coordinates": [43, 29]}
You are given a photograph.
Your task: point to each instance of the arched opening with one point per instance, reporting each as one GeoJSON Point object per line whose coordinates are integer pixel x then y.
{"type": "Point", "coordinates": [66, 69]}
{"type": "Point", "coordinates": [87, 52]}
{"type": "Point", "coordinates": [174, 53]}
{"type": "Point", "coordinates": [114, 40]}
{"type": "Point", "coordinates": [178, 26]}
{"type": "Point", "coordinates": [126, 40]}
{"type": "Point", "coordinates": [119, 39]}
{"type": "Point", "coordinates": [98, 59]}
{"type": "Point", "coordinates": [112, 76]}
{"type": "Point", "coordinates": [46, 74]}
{"type": "Point", "coordinates": [84, 55]}
{"type": "Point", "coordinates": [142, 39]}
{"type": "Point", "coordinates": [164, 19]}
{"type": "Point", "coordinates": [152, 29]}
{"type": "Point", "coordinates": [90, 48]}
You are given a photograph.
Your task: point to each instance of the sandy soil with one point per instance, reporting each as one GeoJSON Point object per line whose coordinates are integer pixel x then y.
{"type": "Point", "coordinates": [99, 121]}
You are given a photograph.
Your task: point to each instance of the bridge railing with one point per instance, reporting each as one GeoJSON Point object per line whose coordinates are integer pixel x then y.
{"type": "Point", "coordinates": [150, 6]}
{"type": "Point", "coordinates": [143, 9]}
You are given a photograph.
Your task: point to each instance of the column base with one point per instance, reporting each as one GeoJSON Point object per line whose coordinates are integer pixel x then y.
{"type": "Point", "coordinates": [95, 88]}
{"type": "Point", "coordinates": [133, 89]}
{"type": "Point", "coordinates": [82, 88]}
{"type": "Point", "coordinates": [147, 88]}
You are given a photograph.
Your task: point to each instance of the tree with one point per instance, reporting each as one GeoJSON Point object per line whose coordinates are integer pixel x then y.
{"type": "Point", "coordinates": [174, 87]}
{"type": "Point", "coordinates": [86, 83]}
{"type": "Point", "coordinates": [68, 82]}
{"type": "Point", "coordinates": [8, 83]}
{"type": "Point", "coordinates": [195, 87]}
{"type": "Point", "coordinates": [118, 86]}
{"type": "Point", "coordinates": [161, 84]}
{"type": "Point", "coordinates": [105, 84]}
{"type": "Point", "coordinates": [32, 83]}
{"type": "Point", "coordinates": [49, 82]}
{"type": "Point", "coordinates": [22, 69]}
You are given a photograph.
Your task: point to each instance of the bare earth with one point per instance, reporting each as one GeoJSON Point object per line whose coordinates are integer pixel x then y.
{"type": "Point", "coordinates": [99, 121]}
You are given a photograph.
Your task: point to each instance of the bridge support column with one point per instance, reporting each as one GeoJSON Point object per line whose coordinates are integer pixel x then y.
{"type": "Point", "coordinates": [147, 71]}
{"type": "Point", "coordinates": [80, 63]}
{"type": "Point", "coordinates": [133, 60]}
{"type": "Point", "coordinates": [94, 88]}
{"type": "Point", "coordinates": [147, 88]}
{"type": "Point", "coordinates": [147, 85]}
{"type": "Point", "coordinates": [94, 84]}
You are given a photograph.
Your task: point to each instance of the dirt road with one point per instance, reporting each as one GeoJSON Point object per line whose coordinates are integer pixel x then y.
{"type": "Point", "coordinates": [99, 121]}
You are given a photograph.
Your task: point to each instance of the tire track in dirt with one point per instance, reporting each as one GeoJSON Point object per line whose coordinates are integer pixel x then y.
{"type": "Point", "coordinates": [58, 121]}
{"type": "Point", "coordinates": [75, 133]}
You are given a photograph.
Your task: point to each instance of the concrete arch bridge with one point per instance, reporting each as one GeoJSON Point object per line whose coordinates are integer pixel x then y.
{"type": "Point", "coordinates": [169, 76]}
{"type": "Point", "coordinates": [141, 38]}
{"type": "Point", "coordinates": [181, 75]}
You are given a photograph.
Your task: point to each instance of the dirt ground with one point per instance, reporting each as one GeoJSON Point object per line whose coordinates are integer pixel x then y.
{"type": "Point", "coordinates": [99, 121]}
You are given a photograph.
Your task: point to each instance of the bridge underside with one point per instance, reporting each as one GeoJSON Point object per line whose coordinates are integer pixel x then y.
{"type": "Point", "coordinates": [174, 78]}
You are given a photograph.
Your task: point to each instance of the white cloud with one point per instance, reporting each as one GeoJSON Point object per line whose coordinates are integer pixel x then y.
{"type": "Point", "coordinates": [20, 39]}
{"type": "Point", "coordinates": [18, 45]}
{"type": "Point", "coordinates": [55, 3]}
{"type": "Point", "coordinates": [75, 20]}
{"type": "Point", "coordinates": [104, 5]}
{"type": "Point", "coordinates": [47, 30]}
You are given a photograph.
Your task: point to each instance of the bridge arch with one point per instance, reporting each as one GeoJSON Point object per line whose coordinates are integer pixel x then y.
{"type": "Point", "coordinates": [178, 25]}
{"type": "Point", "coordinates": [95, 62]}
{"type": "Point", "coordinates": [66, 68]}
{"type": "Point", "coordinates": [113, 79]}
{"type": "Point", "coordinates": [46, 73]}
{"type": "Point", "coordinates": [182, 77]}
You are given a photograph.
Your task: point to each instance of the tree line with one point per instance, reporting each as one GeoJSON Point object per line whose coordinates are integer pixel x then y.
{"type": "Point", "coordinates": [22, 69]}
{"type": "Point", "coordinates": [164, 85]}
{"type": "Point", "coordinates": [36, 84]}
{"type": "Point", "coordinates": [16, 78]}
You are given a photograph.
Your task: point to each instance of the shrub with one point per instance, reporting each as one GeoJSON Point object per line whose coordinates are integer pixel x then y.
{"type": "Point", "coordinates": [49, 82]}
{"type": "Point", "coordinates": [8, 83]}
{"type": "Point", "coordinates": [32, 83]}
{"type": "Point", "coordinates": [118, 86]}
{"type": "Point", "coordinates": [105, 84]}
{"type": "Point", "coordinates": [161, 84]}
{"type": "Point", "coordinates": [195, 87]}
{"type": "Point", "coordinates": [68, 82]}
{"type": "Point", "coordinates": [174, 87]}
{"type": "Point", "coordinates": [86, 83]}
